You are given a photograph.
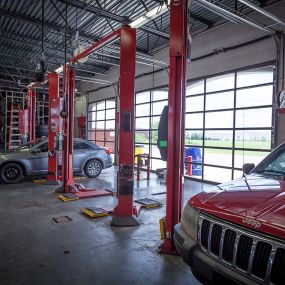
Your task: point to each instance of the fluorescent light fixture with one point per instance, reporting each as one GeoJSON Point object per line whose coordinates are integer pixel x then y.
{"type": "Point", "coordinates": [226, 14]}
{"type": "Point", "coordinates": [263, 12]}
{"type": "Point", "coordinates": [150, 15]}
{"type": "Point", "coordinates": [59, 70]}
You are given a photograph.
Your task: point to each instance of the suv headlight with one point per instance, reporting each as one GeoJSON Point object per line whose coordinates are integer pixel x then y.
{"type": "Point", "coordinates": [189, 221]}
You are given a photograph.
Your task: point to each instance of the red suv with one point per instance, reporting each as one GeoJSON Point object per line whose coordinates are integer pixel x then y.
{"type": "Point", "coordinates": [235, 232]}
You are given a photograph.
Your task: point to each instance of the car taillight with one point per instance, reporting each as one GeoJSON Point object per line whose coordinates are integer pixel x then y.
{"type": "Point", "coordinates": [107, 151]}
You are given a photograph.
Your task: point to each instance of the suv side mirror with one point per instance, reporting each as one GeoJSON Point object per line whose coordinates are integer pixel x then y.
{"type": "Point", "coordinates": [247, 168]}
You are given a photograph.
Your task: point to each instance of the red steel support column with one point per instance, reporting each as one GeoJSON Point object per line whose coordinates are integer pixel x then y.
{"type": "Point", "coordinates": [55, 126]}
{"type": "Point", "coordinates": [177, 85]}
{"type": "Point", "coordinates": [124, 211]}
{"type": "Point", "coordinates": [67, 157]}
{"type": "Point", "coordinates": [32, 109]}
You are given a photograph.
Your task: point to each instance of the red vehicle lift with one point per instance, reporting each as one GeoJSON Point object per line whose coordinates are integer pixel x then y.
{"type": "Point", "coordinates": [55, 128]}
{"type": "Point", "coordinates": [177, 85]}
{"type": "Point", "coordinates": [32, 94]}
{"type": "Point", "coordinates": [124, 212]}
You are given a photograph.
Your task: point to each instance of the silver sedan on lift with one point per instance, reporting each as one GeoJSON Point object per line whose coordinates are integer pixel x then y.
{"type": "Point", "coordinates": [89, 159]}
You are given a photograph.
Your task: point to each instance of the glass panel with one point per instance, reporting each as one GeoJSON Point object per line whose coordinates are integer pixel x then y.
{"type": "Point", "coordinates": [157, 107]}
{"type": "Point", "coordinates": [254, 96]}
{"type": "Point", "coordinates": [222, 82]}
{"type": "Point", "coordinates": [142, 123]}
{"type": "Point", "coordinates": [238, 174]}
{"type": "Point", "coordinates": [111, 103]}
{"type": "Point", "coordinates": [100, 115]}
{"type": "Point", "coordinates": [194, 103]}
{"type": "Point", "coordinates": [91, 135]}
{"type": "Point", "coordinates": [101, 105]}
{"type": "Point", "coordinates": [157, 163]}
{"type": "Point", "coordinates": [100, 125]}
{"type": "Point", "coordinates": [110, 135]}
{"type": "Point", "coordinates": [110, 114]}
{"type": "Point", "coordinates": [110, 125]}
{"type": "Point", "coordinates": [253, 139]}
{"type": "Point", "coordinates": [142, 136]}
{"type": "Point", "coordinates": [143, 97]}
{"type": "Point", "coordinates": [155, 122]}
{"type": "Point", "coordinates": [219, 119]}
{"type": "Point", "coordinates": [159, 95]}
{"type": "Point", "coordinates": [143, 110]}
{"type": "Point", "coordinates": [254, 118]}
{"type": "Point", "coordinates": [154, 136]}
{"type": "Point", "coordinates": [219, 138]}
{"type": "Point", "coordinates": [155, 151]}
{"type": "Point", "coordinates": [217, 174]}
{"type": "Point", "coordinates": [242, 157]}
{"type": "Point", "coordinates": [92, 107]}
{"type": "Point", "coordinates": [222, 157]}
{"type": "Point", "coordinates": [255, 76]}
{"type": "Point", "coordinates": [195, 88]}
{"type": "Point", "coordinates": [194, 138]}
{"type": "Point", "coordinates": [100, 143]}
{"type": "Point", "coordinates": [223, 100]}
{"type": "Point", "coordinates": [194, 121]}
{"type": "Point", "coordinates": [194, 168]}
{"type": "Point", "coordinates": [100, 136]}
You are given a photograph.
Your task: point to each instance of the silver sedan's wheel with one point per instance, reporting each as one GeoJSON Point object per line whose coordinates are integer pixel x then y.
{"type": "Point", "coordinates": [12, 173]}
{"type": "Point", "coordinates": [93, 168]}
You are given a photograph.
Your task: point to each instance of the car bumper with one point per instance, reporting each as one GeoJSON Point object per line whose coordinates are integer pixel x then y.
{"type": "Point", "coordinates": [209, 268]}
{"type": "Point", "coordinates": [108, 163]}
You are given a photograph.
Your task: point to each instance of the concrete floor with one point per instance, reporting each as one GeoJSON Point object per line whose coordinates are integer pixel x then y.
{"type": "Point", "coordinates": [35, 250]}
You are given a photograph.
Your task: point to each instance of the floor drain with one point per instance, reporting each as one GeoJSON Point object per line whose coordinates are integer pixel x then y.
{"type": "Point", "coordinates": [62, 219]}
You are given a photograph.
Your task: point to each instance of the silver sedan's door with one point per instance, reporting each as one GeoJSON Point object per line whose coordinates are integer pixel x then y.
{"type": "Point", "coordinates": [39, 159]}
{"type": "Point", "coordinates": [81, 154]}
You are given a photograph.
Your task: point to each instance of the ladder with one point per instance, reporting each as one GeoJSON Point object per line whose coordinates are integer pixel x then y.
{"type": "Point", "coordinates": [14, 135]}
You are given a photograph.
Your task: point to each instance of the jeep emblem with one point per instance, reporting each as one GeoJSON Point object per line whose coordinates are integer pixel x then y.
{"type": "Point", "coordinates": [251, 222]}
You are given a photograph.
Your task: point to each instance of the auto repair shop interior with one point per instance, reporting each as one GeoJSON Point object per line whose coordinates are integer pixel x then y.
{"type": "Point", "coordinates": [142, 142]}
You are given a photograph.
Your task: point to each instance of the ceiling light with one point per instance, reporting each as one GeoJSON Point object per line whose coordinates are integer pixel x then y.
{"type": "Point", "coordinates": [150, 15]}
{"type": "Point", "coordinates": [263, 12]}
{"type": "Point", "coordinates": [227, 14]}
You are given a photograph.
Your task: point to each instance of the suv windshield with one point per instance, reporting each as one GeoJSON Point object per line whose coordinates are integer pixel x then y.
{"type": "Point", "coordinates": [274, 166]}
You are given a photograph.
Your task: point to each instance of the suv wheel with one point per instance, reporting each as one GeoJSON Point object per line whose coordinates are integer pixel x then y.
{"type": "Point", "coordinates": [93, 168]}
{"type": "Point", "coordinates": [12, 173]}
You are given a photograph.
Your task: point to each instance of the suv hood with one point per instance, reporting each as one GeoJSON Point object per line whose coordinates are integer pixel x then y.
{"type": "Point", "coordinates": [257, 202]}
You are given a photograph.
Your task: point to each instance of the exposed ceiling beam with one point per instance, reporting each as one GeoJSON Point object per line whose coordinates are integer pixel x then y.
{"type": "Point", "coordinates": [109, 15]}
{"type": "Point", "coordinates": [201, 19]}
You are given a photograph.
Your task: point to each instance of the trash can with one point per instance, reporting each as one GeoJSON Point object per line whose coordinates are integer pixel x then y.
{"type": "Point", "coordinates": [195, 153]}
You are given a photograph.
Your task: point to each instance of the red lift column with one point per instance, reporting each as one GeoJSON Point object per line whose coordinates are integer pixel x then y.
{"type": "Point", "coordinates": [177, 85]}
{"type": "Point", "coordinates": [32, 109]}
{"type": "Point", "coordinates": [124, 211]}
{"type": "Point", "coordinates": [55, 128]}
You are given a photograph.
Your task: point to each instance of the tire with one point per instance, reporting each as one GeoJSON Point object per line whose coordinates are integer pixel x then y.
{"type": "Point", "coordinates": [93, 168]}
{"type": "Point", "coordinates": [12, 173]}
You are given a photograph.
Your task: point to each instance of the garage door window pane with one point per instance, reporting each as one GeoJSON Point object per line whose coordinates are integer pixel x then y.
{"type": "Point", "coordinates": [255, 76]}
{"type": "Point", "coordinates": [110, 114]}
{"type": "Point", "coordinates": [110, 104]}
{"type": "Point", "coordinates": [219, 119]}
{"type": "Point", "coordinates": [242, 157]}
{"type": "Point", "coordinates": [219, 83]}
{"type": "Point", "coordinates": [142, 110]}
{"type": "Point", "coordinates": [222, 100]}
{"type": "Point", "coordinates": [194, 121]}
{"type": "Point", "coordinates": [110, 125]}
{"type": "Point", "coordinates": [100, 125]}
{"type": "Point", "coordinates": [194, 103]}
{"type": "Point", "coordinates": [254, 118]}
{"type": "Point", "coordinates": [252, 97]}
{"type": "Point", "coordinates": [101, 105]}
{"type": "Point", "coordinates": [219, 138]}
{"type": "Point", "coordinates": [194, 138]}
{"type": "Point", "coordinates": [195, 88]}
{"type": "Point", "coordinates": [159, 95]}
{"type": "Point", "coordinates": [157, 107]}
{"type": "Point", "coordinates": [142, 123]}
{"type": "Point", "coordinates": [154, 136]}
{"type": "Point", "coordinates": [253, 139]}
{"type": "Point", "coordinates": [142, 97]}
{"type": "Point", "coordinates": [217, 174]}
{"type": "Point", "coordinates": [100, 115]}
{"type": "Point", "coordinates": [155, 122]}
{"type": "Point", "coordinates": [142, 136]}
{"type": "Point", "coordinates": [220, 157]}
